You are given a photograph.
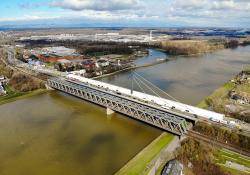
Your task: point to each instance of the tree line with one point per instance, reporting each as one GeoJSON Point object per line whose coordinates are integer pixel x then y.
{"type": "Point", "coordinates": [223, 134]}
{"type": "Point", "coordinates": [198, 157]}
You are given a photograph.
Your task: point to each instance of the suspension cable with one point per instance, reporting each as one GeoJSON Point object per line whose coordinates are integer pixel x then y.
{"type": "Point", "coordinates": [138, 84]}
{"type": "Point", "coordinates": [157, 87]}
{"type": "Point", "coordinates": [148, 87]}
{"type": "Point", "coordinates": [161, 90]}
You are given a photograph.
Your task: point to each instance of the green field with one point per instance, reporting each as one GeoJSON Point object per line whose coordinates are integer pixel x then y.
{"type": "Point", "coordinates": [138, 165]}
{"type": "Point", "coordinates": [224, 155]}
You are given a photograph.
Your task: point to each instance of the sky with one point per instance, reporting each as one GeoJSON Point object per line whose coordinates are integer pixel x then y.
{"type": "Point", "coordinates": [125, 13]}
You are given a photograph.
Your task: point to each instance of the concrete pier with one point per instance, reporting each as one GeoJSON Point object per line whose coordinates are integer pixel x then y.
{"type": "Point", "coordinates": [110, 111]}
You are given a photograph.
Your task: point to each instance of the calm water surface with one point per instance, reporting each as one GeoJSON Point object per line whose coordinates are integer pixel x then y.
{"type": "Point", "coordinates": [56, 134]}
{"type": "Point", "coordinates": [152, 56]}
{"type": "Point", "coordinates": [190, 79]}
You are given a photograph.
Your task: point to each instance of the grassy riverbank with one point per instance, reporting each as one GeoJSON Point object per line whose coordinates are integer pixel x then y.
{"type": "Point", "coordinates": [217, 94]}
{"type": "Point", "coordinates": [221, 101]}
{"type": "Point", "coordinates": [13, 95]}
{"type": "Point", "coordinates": [138, 165]}
{"type": "Point", "coordinates": [222, 92]}
{"type": "Point", "coordinates": [232, 99]}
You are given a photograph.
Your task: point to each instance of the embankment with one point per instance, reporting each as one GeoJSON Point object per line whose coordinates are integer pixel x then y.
{"type": "Point", "coordinates": [19, 85]}
{"type": "Point", "coordinates": [233, 98]}
{"type": "Point", "coordinates": [131, 68]}
{"type": "Point", "coordinates": [15, 95]}
{"type": "Point", "coordinates": [139, 164]}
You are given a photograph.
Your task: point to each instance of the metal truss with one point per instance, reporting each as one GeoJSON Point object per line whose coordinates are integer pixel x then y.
{"type": "Point", "coordinates": [128, 106]}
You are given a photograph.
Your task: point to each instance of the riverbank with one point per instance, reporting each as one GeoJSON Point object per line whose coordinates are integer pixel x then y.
{"type": "Point", "coordinates": [131, 68]}
{"type": "Point", "coordinates": [223, 161]}
{"type": "Point", "coordinates": [219, 93]}
{"type": "Point", "coordinates": [233, 98]}
{"type": "Point", "coordinates": [139, 164]}
{"type": "Point", "coordinates": [19, 84]}
{"type": "Point", "coordinates": [191, 47]}
{"type": "Point", "coordinates": [13, 95]}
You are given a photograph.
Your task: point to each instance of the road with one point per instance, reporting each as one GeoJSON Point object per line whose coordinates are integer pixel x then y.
{"type": "Point", "coordinates": [14, 68]}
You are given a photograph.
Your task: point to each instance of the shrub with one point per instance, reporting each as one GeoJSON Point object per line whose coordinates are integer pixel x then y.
{"type": "Point", "coordinates": [25, 83]}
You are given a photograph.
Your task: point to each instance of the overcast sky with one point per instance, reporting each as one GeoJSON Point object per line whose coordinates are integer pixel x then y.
{"type": "Point", "coordinates": [137, 13]}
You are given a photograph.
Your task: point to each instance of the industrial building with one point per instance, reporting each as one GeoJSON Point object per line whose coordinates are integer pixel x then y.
{"type": "Point", "coordinates": [53, 54]}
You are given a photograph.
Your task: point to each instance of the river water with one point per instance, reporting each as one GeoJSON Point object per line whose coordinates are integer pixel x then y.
{"type": "Point", "coordinates": [189, 79]}
{"type": "Point", "coordinates": [56, 134]}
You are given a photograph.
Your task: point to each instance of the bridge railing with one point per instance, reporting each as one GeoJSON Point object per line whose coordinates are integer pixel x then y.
{"type": "Point", "coordinates": [146, 113]}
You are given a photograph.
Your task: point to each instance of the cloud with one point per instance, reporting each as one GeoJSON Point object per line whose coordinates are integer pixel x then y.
{"type": "Point", "coordinates": [211, 8]}
{"type": "Point", "coordinates": [28, 5]}
{"type": "Point", "coordinates": [98, 5]}
{"type": "Point", "coordinates": [162, 12]}
{"type": "Point", "coordinates": [225, 4]}
{"type": "Point", "coordinates": [111, 16]}
{"type": "Point", "coordinates": [27, 18]}
{"type": "Point", "coordinates": [188, 4]}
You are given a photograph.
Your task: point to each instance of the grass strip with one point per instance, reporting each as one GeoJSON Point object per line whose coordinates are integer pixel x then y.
{"type": "Point", "coordinates": [13, 95]}
{"type": "Point", "coordinates": [138, 165]}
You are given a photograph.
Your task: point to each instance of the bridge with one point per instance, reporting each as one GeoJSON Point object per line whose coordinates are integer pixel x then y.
{"type": "Point", "coordinates": [148, 111]}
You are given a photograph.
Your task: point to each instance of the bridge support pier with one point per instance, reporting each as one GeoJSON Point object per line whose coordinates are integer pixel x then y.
{"type": "Point", "coordinates": [172, 122]}
{"type": "Point", "coordinates": [109, 111]}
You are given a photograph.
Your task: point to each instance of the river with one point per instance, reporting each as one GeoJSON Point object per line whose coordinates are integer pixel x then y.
{"type": "Point", "coordinates": [57, 134]}
{"type": "Point", "coordinates": [189, 79]}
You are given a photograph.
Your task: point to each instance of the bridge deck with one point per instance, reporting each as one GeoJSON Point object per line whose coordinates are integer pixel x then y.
{"type": "Point", "coordinates": [171, 122]}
